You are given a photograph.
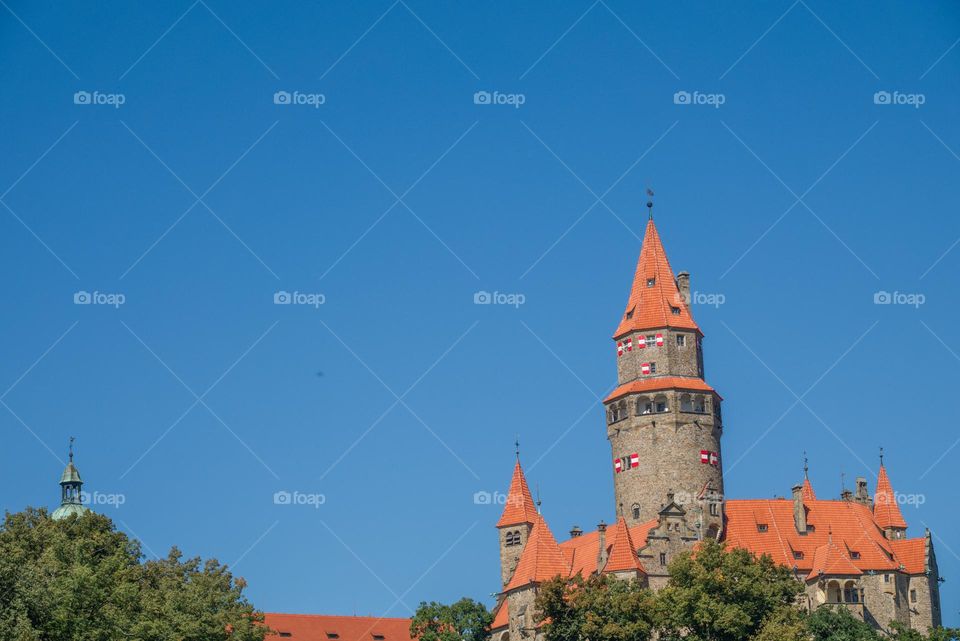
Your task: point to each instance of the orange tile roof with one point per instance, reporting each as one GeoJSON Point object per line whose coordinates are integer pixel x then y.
{"type": "Point", "coordinates": [501, 618]}
{"type": "Point", "coordinates": [807, 493]}
{"type": "Point", "coordinates": [623, 554]}
{"type": "Point", "coordinates": [659, 383]}
{"type": "Point", "coordinates": [519, 507]}
{"type": "Point", "coordinates": [885, 508]}
{"type": "Point", "coordinates": [541, 559]}
{"type": "Point", "coordinates": [318, 627]}
{"type": "Point", "coordinates": [912, 553]}
{"type": "Point", "coordinates": [649, 307]}
{"type": "Point", "coordinates": [848, 524]}
{"type": "Point", "coordinates": [581, 551]}
{"type": "Point", "coordinates": [831, 560]}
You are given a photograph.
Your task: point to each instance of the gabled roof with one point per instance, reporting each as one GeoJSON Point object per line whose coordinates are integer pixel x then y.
{"type": "Point", "coordinates": [807, 494]}
{"type": "Point", "coordinates": [654, 384]}
{"type": "Point", "coordinates": [581, 551]}
{"type": "Point", "coordinates": [541, 559]}
{"type": "Point", "coordinates": [623, 553]}
{"type": "Point", "coordinates": [519, 507]}
{"type": "Point", "coordinates": [318, 627]}
{"type": "Point", "coordinates": [501, 617]}
{"type": "Point", "coordinates": [829, 559]}
{"type": "Point", "coordinates": [649, 307]}
{"type": "Point", "coordinates": [912, 553]}
{"type": "Point", "coordinates": [885, 509]}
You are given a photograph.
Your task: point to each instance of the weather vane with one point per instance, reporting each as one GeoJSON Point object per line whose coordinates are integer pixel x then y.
{"type": "Point", "coordinates": [72, 439]}
{"type": "Point", "coordinates": [516, 444]}
{"type": "Point", "coordinates": [806, 467]}
{"type": "Point", "coordinates": [881, 455]}
{"type": "Point", "coordinates": [650, 202]}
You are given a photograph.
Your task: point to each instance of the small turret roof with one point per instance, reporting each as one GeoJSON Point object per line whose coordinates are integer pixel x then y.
{"type": "Point", "coordinates": [885, 509]}
{"type": "Point", "coordinates": [70, 474]}
{"type": "Point", "coordinates": [519, 507]}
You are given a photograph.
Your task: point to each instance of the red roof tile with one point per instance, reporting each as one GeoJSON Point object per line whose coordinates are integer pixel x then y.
{"type": "Point", "coordinates": [831, 560]}
{"type": "Point", "coordinates": [318, 627]}
{"type": "Point", "coordinates": [501, 618]}
{"type": "Point", "coordinates": [659, 383]}
{"type": "Point", "coordinates": [581, 551]}
{"type": "Point", "coordinates": [623, 554]}
{"type": "Point", "coordinates": [912, 553]}
{"type": "Point", "coordinates": [541, 559]}
{"type": "Point", "coordinates": [885, 508]}
{"type": "Point", "coordinates": [649, 307]}
{"type": "Point", "coordinates": [519, 507]}
{"type": "Point", "coordinates": [807, 493]}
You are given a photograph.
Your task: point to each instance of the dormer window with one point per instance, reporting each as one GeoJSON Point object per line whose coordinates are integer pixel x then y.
{"type": "Point", "coordinates": [333, 635]}
{"type": "Point", "coordinates": [675, 311]}
{"type": "Point", "coordinates": [378, 637]}
{"type": "Point", "coordinates": [811, 527]}
{"type": "Point", "coordinates": [651, 282]}
{"type": "Point", "coordinates": [854, 555]}
{"type": "Point", "coordinates": [761, 527]}
{"type": "Point", "coordinates": [798, 555]}
{"type": "Point", "coordinates": [629, 314]}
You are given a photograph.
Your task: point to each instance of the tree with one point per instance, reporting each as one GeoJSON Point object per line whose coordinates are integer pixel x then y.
{"type": "Point", "coordinates": [80, 579]}
{"type": "Point", "coordinates": [599, 608]}
{"type": "Point", "coordinates": [465, 620]}
{"type": "Point", "coordinates": [716, 594]}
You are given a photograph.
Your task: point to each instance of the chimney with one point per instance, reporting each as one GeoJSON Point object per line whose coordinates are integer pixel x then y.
{"type": "Point", "coordinates": [799, 511]}
{"type": "Point", "coordinates": [575, 531]}
{"type": "Point", "coordinates": [683, 284]}
{"type": "Point", "coordinates": [862, 495]}
{"type": "Point", "coordinates": [846, 495]}
{"type": "Point", "coordinates": [602, 553]}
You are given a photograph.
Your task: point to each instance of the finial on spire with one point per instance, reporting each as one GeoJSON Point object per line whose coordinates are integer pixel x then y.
{"type": "Point", "coordinates": [516, 444]}
{"type": "Point", "coordinates": [881, 456]}
{"type": "Point", "coordinates": [72, 439]}
{"type": "Point", "coordinates": [538, 498]}
{"type": "Point", "coordinates": [843, 482]}
{"type": "Point", "coordinates": [806, 464]}
{"type": "Point", "coordinates": [650, 203]}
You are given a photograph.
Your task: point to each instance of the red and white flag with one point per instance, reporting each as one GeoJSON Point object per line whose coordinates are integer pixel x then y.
{"type": "Point", "coordinates": [645, 368]}
{"type": "Point", "coordinates": [704, 456]}
{"type": "Point", "coordinates": [629, 344]}
{"type": "Point", "coordinates": [659, 340]}
{"type": "Point", "coordinates": [641, 342]}
{"type": "Point", "coordinates": [634, 460]}
{"type": "Point", "coordinates": [617, 465]}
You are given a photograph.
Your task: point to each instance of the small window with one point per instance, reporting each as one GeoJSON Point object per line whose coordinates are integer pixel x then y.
{"type": "Point", "coordinates": [913, 596]}
{"type": "Point", "coordinates": [284, 634]}
{"type": "Point", "coordinates": [629, 314]}
{"type": "Point", "coordinates": [653, 368]}
{"type": "Point", "coordinates": [811, 528]}
{"type": "Point", "coordinates": [854, 555]}
{"type": "Point", "coordinates": [636, 511]}
{"type": "Point", "coordinates": [661, 407]}
{"type": "Point", "coordinates": [333, 635]}
{"type": "Point", "coordinates": [378, 637]}
{"type": "Point", "coordinates": [761, 527]}
{"type": "Point", "coordinates": [651, 340]}
{"type": "Point", "coordinates": [651, 282]}
{"type": "Point", "coordinates": [797, 554]}
{"type": "Point", "coordinates": [714, 509]}
{"type": "Point", "coordinates": [675, 311]}
{"type": "Point", "coordinates": [681, 340]}
{"type": "Point", "coordinates": [663, 558]}
{"type": "Point", "coordinates": [886, 578]}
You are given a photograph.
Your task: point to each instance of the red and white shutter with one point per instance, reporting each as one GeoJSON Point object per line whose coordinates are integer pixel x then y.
{"type": "Point", "coordinates": [620, 349]}
{"type": "Point", "coordinates": [659, 340]}
{"type": "Point", "coordinates": [641, 341]}
{"type": "Point", "coordinates": [714, 458]}
{"type": "Point", "coordinates": [634, 460]}
{"type": "Point", "coordinates": [704, 456]}
{"type": "Point", "coordinates": [629, 344]}
{"type": "Point", "coordinates": [617, 465]}
{"type": "Point", "coordinates": [645, 368]}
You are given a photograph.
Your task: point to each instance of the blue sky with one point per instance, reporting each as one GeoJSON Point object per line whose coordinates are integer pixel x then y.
{"type": "Point", "coordinates": [398, 198]}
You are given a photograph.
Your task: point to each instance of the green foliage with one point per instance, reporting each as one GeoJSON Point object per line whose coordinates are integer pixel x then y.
{"type": "Point", "coordinates": [465, 620]}
{"type": "Point", "coordinates": [81, 580]}
{"type": "Point", "coordinates": [723, 595]}
{"type": "Point", "coordinates": [598, 608]}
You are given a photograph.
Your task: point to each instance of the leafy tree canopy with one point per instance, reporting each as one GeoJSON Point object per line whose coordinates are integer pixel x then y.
{"type": "Point", "coordinates": [465, 620]}
{"type": "Point", "coordinates": [80, 579]}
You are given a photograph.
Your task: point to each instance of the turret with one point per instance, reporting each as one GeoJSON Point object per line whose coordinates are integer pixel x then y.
{"type": "Point", "coordinates": [519, 515]}
{"type": "Point", "coordinates": [71, 494]}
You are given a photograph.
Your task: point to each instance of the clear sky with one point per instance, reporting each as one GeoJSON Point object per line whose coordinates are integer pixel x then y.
{"type": "Point", "coordinates": [389, 190]}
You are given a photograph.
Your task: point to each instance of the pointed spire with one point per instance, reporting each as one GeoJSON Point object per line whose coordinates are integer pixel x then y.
{"type": "Point", "coordinates": [807, 492]}
{"type": "Point", "coordinates": [654, 295]}
{"type": "Point", "coordinates": [519, 507]}
{"type": "Point", "coordinates": [541, 559]}
{"type": "Point", "coordinates": [623, 553]}
{"type": "Point", "coordinates": [886, 512]}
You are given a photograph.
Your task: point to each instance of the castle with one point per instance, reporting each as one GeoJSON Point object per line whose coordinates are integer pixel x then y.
{"type": "Point", "coordinates": [664, 425]}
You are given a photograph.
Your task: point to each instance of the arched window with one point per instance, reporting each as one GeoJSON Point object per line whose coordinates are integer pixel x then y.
{"type": "Point", "coordinates": [698, 404]}
{"type": "Point", "coordinates": [660, 404]}
{"type": "Point", "coordinates": [851, 594]}
{"type": "Point", "coordinates": [686, 403]}
{"type": "Point", "coordinates": [513, 538]}
{"type": "Point", "coordinates": [713, 531]}
{"type": "Point", "coordinates": [644, 406]}
{"type": "Point", "coordinates": [833, 592]}
{"type": "Point", "coordinates": [636, 511]}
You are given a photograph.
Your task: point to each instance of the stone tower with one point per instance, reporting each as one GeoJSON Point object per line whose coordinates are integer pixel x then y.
{"type": "Point", "coordinates": [663, 420]}
{"type": "Point", "coordinates": [516, 522]}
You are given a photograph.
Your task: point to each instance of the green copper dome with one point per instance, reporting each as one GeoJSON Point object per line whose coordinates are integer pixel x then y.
{"type": "Point", "coordinates": [67, 509]}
